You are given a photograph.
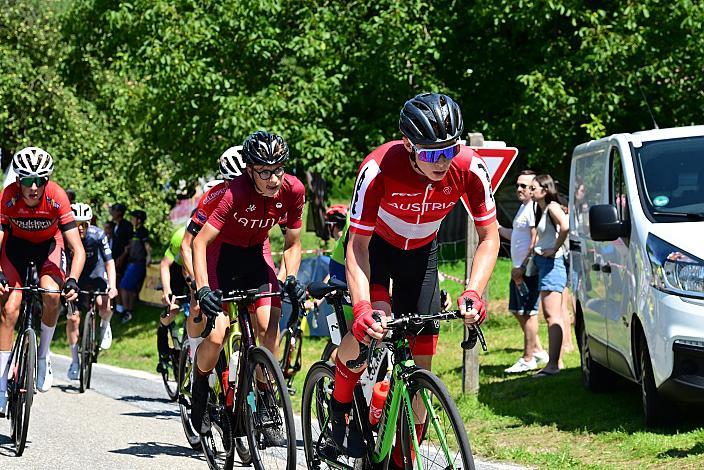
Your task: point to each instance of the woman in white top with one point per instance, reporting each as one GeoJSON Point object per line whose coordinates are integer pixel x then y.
{"type": "Point", "coordinates": [552, 227]}
{"type": "Point", "coordinates": [523, 286]}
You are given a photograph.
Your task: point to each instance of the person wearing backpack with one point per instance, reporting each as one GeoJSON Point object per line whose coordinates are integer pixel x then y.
{"type": "Point", "coordinates": [552, 226]}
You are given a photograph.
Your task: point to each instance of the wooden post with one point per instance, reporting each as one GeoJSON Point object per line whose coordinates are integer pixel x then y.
{"type": "Point", "coordinates": [470, 360]}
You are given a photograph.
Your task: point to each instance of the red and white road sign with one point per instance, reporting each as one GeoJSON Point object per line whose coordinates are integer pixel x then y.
{"type": "Point", "coordinates": [498, 160]}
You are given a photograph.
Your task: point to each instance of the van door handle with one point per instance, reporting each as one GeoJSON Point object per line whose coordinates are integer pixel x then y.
{"type": "Point", "coordinates": [606, 268]}
{"type": "Point", "coordinates": [596, 267]}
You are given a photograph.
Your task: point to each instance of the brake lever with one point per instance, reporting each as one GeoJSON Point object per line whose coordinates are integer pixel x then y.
{"type": "Point", "coordinates": [473, 334]}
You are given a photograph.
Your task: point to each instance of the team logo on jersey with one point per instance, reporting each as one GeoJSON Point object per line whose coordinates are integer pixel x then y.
{"type": "Point", "coordinates": [33, 224]}
{"type": "Point", "coordinates": [279, 205]}
{"type": "Point", "coordinates": [251, 208]}
{"type": "Point", "coordinates": [447, 190]}
{"type": "Point", "coordinates": [405, 194]}
{"type": "Point", "coordinates": [200, 215]}
{"type": "Point", "coordinates": [255, 223]}
{"type": "Point", "coordinates": [421, 207]}
{"type": "Point", "coordinates": [214, 194]}
{"type": "Point", "coordinates": [53, 203]}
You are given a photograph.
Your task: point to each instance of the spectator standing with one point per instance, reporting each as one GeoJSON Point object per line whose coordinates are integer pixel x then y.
{"type": "Point", "coordinates": [138, 255]}
{"type": "Point", "coordinates": [552, 228]}
{"type": "Point", "coordinates": [121, 236]}
{"type": "Point", "coordinates": [108, 228]}
{"type": "Point", "coordinates": [524, 295]}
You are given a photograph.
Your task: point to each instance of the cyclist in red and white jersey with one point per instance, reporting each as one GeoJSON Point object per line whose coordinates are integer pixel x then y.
{"type": "Point", "coordinates": [34, 213]}
{"type": "Point", "coordinates": [238, 229]}
{"type": "Point", "coordinates": [404, 190]}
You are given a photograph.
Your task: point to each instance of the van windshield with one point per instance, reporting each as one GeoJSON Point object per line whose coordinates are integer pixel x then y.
{"type": "Point", "coordinates": [672, 178]}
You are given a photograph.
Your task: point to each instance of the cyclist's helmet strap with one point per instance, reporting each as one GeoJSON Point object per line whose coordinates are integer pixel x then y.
{"type": "Point", "coordinates": [33, 162]}
{"type": "Point", "coordinates": [430, 119]}
{"type": "Point", "coordinates": [262, 148]}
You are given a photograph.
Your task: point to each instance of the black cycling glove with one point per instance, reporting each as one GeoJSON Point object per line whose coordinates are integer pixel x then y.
{"type": "Point", "coordinates": [210, 301]}
{"type": "Point", "coordinates": [295, 289]}
{"type": "Point", "coordinates": [3, 279]}
{"type": "Point", "coordinates": [70, 285]}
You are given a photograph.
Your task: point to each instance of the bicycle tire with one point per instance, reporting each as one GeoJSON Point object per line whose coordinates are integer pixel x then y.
{"type": "Point", "coordinates": [275, 398]}
{"type": "Point", "coordinates": [86, 354]}
{"type": "Point", "coordinates": [317, 391]}
{"type": "Point", "coordinates": [330, 347]}
{"type": "Point", "coordinates": [423, 379]}
{"type": "Point", "coordinates": [184, 399]}
{"type": "Point", "coordinates": [23, 400]}
{"type": "Point", "coordinates": [169, 372]}
{"type": "Point", "coordinates": [221, 432]}
{"type": "Point", "coordinates": [241, 443]}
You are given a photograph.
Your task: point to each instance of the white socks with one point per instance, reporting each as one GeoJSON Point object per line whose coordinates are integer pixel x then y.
{"type": "Point", "coordinates": [45, 341]}
{"type": "Point", "coordinates": [4, 359]}
{"type": "Point", "coordinates": [74, 353]}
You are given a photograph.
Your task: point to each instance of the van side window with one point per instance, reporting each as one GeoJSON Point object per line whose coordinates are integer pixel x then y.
{"type": "Point", "coordinates": [619, 194]}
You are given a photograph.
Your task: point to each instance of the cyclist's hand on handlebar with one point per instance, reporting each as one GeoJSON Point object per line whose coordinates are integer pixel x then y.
{"type": "Point", "coordinates": [112, 293]}
{"type": "Point", "coordinates": [210, 301]}
{"type": "Point", "coordinates": [368, 323]}
{"type": "Point", "coordinates": [166, 298]}
{"type": "Point", "coordinates": [477, 311]}
{"type": "Point", "coordinates": [294, 288]}
{"type": "Point", "coordinates": [4, 283]}
{"type": "Point", "coordinates": [70, 289]}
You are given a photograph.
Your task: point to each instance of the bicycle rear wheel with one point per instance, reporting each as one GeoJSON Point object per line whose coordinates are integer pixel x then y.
{"type": "Point", "coordinates": [269, 419]}
{"type": "Point", "coordinates": [184, 397]}
{"type": "Point", "coordinates": [330, 347]}
{"type": "Point", "coordinates": [23, 390]}
{"type": "Point", "coordinates": [87, 351]}
{"type": "Point", "coordinates": [443, 439]}
{"type": "Point", "coordinates": [169, 372]}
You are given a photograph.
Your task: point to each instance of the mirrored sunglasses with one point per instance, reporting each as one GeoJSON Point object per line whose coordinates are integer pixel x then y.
{"type": "Point", "coordinates": [38, 180]}
{"type": "Point", "coordinates": [433, 155]}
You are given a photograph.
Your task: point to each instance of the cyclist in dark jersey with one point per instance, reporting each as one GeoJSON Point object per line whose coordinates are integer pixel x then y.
{"type": "Point", "coordinates": [98, 275]}
{"type": "Point", "coordinates": [404, 190]}
{"type": "Point", "coordinates": [239, 228]}
{"type": "Point", "coordinates": [34, 212]}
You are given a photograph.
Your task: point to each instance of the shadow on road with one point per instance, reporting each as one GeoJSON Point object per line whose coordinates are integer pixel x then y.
{"type": "Point", "coordinates": [163, 414]}
{"type": "Point", "coordinates": [151, 450]}
{"type": "Point", "coordinates": [136, 398]}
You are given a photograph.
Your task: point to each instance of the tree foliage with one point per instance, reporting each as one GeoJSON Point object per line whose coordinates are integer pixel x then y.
{"type": "Point", "coordinates": [134, 97]}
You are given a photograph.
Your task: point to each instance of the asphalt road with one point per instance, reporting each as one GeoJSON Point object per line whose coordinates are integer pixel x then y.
{"type": "Point", "coordinates": [123, 422]}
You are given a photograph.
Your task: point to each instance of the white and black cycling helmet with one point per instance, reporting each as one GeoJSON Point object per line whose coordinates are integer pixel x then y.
{"type": "Point", "coordinates": [33, 162]}
{"type": "Point", "coordinates": [210, 185]}
{"type": "Point", "coordinates": [82, 212]}
{"type": "Point", "coordinates": [262, 148]}
{"type": "Point", "coordinates": [431, 118]}
{"type": "Point", "coordinates": [231, 163]}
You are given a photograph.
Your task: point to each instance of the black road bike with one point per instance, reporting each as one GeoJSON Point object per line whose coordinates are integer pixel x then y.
{"type": "Point", "coordinates": [90, 343]}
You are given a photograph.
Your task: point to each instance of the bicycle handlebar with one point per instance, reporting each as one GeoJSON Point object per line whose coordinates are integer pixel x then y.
{"type": "Point", "coordinates": [474, 333]}
{"type": "Point", "coordinates": [40, 290]}
{"type": "Point", "coordinates": [251, 296]}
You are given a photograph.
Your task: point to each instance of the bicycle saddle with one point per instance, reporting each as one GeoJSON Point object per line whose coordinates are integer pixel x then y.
{"type": "Point", "coordinates": [319, 289]}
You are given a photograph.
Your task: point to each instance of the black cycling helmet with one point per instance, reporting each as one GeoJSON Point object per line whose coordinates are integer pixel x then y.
{"type": "Point", "coordinates": [262, 148]}
{"type": "Point", "coordinates": [431, 118]}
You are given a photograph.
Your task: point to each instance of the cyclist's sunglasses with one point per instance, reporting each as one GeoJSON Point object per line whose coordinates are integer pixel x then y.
{"type": "Point", "coordinates": [433, 155]}
{"type": "Point", "coordinates": [38, 180]}
{"type": "Point", "coordinates": [266, 174]}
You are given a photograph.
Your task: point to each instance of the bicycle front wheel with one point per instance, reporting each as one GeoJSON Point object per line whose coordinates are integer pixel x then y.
{"type": "Point", "coordinates": [87, 352]}
{"type": "Point", "coordinates": [269, 420]}
{"type": "Point", "coordinates": [23, 390]}
{"type": "Point", "coordinates": [439, 429]}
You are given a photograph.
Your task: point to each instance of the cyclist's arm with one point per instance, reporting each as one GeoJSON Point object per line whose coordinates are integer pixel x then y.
{"type": "Point", "coordinates": [292, 251]}
{"type": "Point", "coordinates": [484, 258]}
{"type": "Point", "coordinates": [112, 275]}
{"type": "Point", "coordinates": [357, 267]}
{"type": "Point", "coordinates": [200, 244]}
{"type": "Point", "coordinates": [79, 254]}
{"type": "Point", "coordinates": [164, 269]}
{"type": "Point", "coordinates": [187, 255]}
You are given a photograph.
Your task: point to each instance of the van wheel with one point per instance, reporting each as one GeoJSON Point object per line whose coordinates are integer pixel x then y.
{"type": "Point", "coordinates": [657, 410]}
{"type": "Point", "coordinates": [595, 377]}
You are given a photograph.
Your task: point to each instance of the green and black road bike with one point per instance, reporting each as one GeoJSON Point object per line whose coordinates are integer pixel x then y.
{"type": "Point", "coordinates": [418, 407]}
{"type": "Point", "coordinates": [90, 343]}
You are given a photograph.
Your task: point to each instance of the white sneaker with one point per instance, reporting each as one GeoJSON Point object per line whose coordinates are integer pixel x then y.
{"type": "Point", "coordinates": [107, 338]}
{"type": "Point", "coordinates": [45, 376]}
{"type": "Point", "coordinates": [541, 357]}
{"type": "Point", "coordinates": [522, 366]}
{"type": "Point", "coordinates": [3, 404]}
{"type": "Point", "coordinates": [73, 371]}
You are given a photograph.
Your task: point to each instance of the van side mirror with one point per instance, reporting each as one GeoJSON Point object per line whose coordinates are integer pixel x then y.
{"type": "Point", "coordinates": [604, 224]}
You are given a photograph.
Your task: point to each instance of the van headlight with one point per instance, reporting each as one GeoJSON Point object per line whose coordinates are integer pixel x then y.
{"type": "Point", "coordinates": [675, 271]}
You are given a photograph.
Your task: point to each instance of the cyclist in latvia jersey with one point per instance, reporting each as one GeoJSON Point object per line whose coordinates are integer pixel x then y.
{"type": "Point", "coordinates": [34, 213]}
{"type": "Point", "coordinates": [404, 190]}
{"type": "Point", "coordinates": [231, 166]}
{"type": "Point", "coordinates": [239, 227]}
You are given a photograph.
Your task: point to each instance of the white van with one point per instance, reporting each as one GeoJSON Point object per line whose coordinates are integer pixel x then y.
{"type": "Point", "coordinates": [637, 263]}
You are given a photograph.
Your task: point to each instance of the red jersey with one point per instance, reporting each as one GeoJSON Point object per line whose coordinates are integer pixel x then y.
{"type": "Point", "coordinates": [244, 217]}
{"type": "Point", "coordinates": [207, 204]}
{"type": "Point", "coordinates": [405, 208]}
{"type": "Point", "coordinates": [40, 223]}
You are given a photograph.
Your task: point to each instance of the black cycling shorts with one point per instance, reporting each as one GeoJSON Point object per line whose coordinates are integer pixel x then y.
{"type": "Point", "coordinates": [97, 284]}
{"type": "Point", "coordinates": [243, 268]}
{"type": "Point", "coordinates": [178, 281]}
{"type": "Point", "coordinates": [416, 287]}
